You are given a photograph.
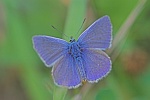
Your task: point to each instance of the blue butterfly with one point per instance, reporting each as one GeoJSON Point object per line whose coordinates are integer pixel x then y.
{"type": "Point", "coordinates": [77, 61]}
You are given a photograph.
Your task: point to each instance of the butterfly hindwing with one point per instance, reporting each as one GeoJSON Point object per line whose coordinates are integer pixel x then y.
{"type": "Point", "coordinates": [98, 35]}
{"type": "Point", "coordinates": [49, 49]}
{"type": "Point", "coordinates": [96, 64]}
{"type": "Point", "coordinates": [65, 72]}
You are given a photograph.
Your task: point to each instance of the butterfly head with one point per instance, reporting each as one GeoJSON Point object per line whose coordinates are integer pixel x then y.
{"type": "Point", "coordinates": [72, 39]}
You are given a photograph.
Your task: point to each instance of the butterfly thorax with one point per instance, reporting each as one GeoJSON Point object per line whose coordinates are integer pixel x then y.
{"type": "Point", "coordinates": [74, 49]}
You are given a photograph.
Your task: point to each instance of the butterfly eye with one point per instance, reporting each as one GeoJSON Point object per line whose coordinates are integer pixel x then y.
{"type": "Point", "coordinates": [72, 40]}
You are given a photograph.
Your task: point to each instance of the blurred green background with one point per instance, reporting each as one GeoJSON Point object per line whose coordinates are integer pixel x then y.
{"type": "Point", "coordinates": [23, 76]}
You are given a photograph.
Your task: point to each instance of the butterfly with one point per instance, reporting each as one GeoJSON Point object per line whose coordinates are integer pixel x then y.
{"type": "Point", "coordinates": [77, 61]}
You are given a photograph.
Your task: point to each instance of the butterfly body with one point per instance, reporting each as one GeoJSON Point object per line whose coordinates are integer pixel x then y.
{"type": "Point", "coordinates": [75, 50]}
{"type": "Point", "coordinates": [77, 61]}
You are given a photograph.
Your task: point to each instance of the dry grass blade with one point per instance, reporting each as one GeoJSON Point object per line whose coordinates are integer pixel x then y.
{"type": "Point", "coordinates": [121, 35]}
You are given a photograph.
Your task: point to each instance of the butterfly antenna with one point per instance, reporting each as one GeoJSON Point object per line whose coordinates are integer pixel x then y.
{"type": "Point", "coordinates": [59, 31]}
{"type": "Point", "coordinates": [81, 26]}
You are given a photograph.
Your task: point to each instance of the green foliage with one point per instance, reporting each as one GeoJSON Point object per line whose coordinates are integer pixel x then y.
{"type": "Point", "coordinates": [129, 78]}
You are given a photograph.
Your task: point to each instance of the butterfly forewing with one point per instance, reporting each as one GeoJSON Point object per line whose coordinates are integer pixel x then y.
{"type": "Point", "coordinates": [98, 35]}
{"type": "Point", "coordinates": [96, 64]}
{"type": "Point", "coordinates": [49, 49]}
{"type": "Point", "coordinates": [65, 72]}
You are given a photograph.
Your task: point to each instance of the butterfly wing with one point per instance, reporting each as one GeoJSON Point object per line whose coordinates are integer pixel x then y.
{"type": "Point", "coordinates": [98, 35]}
{"type": "Point", "coordinates": [96, 64]}
{"type": "Point", "coordinates": [65, 72]}
{"type": "Point", "coordinates": [49, 49]}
